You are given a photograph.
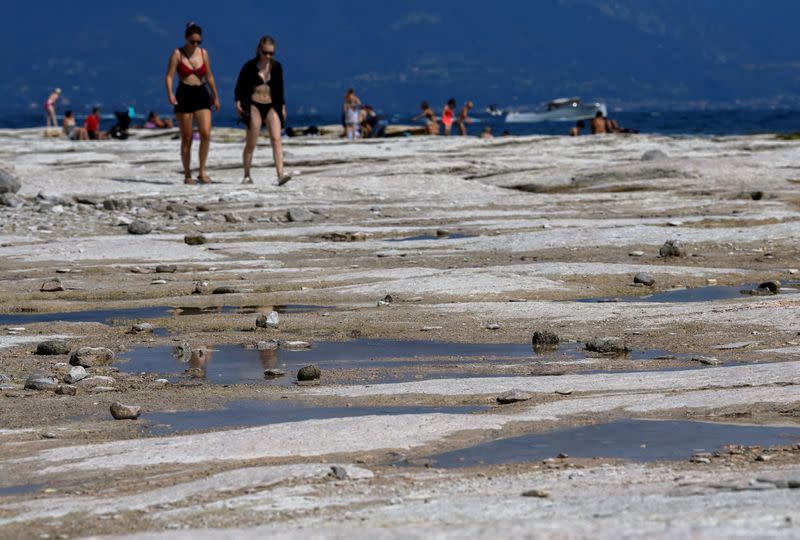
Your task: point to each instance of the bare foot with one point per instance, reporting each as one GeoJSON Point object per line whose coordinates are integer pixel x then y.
{"type": "Point", "coordinates": [204, 179]}
{"type": "Point", "coordinates": [285, 177]}
{"type": "Point", "coordinates": [189, 181]}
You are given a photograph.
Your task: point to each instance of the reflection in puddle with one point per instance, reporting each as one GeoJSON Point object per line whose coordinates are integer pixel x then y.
{"type": "Point", "coordinates": [232, 364]}
{"type": "Point", "coordinates": [20, 489]}
{"type": "Point", "coordinates": [454, 236]}
{"type": "Point", "coordinates": [235, 364]}
{"type": "Point", "coordinates": [259, 413]}
{"type": "Point", "coordinates": [699, 294]}
{"type": "Point", "coordinates": [640, 440]}
{"type": "Point", "coordinates": [109, 316]}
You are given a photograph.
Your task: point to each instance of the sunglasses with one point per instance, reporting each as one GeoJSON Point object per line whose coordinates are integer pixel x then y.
{"type": "Point", "coordinates": [266, 53]}
{"type": "Point", "coordinates": [195, 41]}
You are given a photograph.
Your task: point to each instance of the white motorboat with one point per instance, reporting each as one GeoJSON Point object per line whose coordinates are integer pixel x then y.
{"type": "Point", "coordinates": [559, 110]}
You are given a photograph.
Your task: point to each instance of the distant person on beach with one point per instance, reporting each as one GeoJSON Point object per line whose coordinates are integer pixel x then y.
{"type": "Point", "coordinates": [50, 109]}
{"type": "Point", "coordinates": [71, 129]}
{"type": "Point", "coordinates": [431, 125]}
{"type": "Point", "coordinates": [487, 133]}
{"type": "Point", "coordinates": [447, 115]}
{"type": "Point", "coordinates": [576, 130]}
{"type": "Point", "coordinates": [351, 114]}
{"type": "Point", "coordinates": [463, 118]}
{"type": "Point", "coordinates": [92, 125]}
{"type": "Point", "coordinates": [154, 121]}
{"type": "Point", "coordinates": [372, 125]}
{"type": "Point", "coordinates": [599, 124]}
{"type": "Point", "coordinates": [196, 94]}
{"type": "Point", "coordinates": [260, 101]}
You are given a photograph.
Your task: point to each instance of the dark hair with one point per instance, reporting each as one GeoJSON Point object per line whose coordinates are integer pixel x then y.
{"type": "Point", "coordinates": [95, 109]}
{"type": "Point", "coordinates": [451, 102]}
{"type": "Point", "coordinates": [598, 114]}
{"type": "Point", "coordinates": [68, 114]}
{"type": "Point", "coordinates": [424, 105]}
{"type": "Point", "coordinates": [191, 29]}
{"type": "Point", "coordinates": [580, 124]}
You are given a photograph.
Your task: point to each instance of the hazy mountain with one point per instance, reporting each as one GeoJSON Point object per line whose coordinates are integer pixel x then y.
{"type": "Point", "coordinates": [631, 53]}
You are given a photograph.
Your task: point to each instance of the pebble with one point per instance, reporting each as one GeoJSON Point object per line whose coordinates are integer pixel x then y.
{"type": "Point", "coordinates": [794, 271]}
{"type": "Point", "coordinates": [96, 380]}
{"type": "Point", "coordinates": [707, 360]}
{"type": "Point", "coordinates": [763, 457]}
{"type": "Point", "coordinates": [76, 373]}
{"type": "Point", "coordinates": [102, 389]}
{"type": "Point", "coordinates": [161, 381]}
{"type": "Point", "coordinates": [52, 347]}
{"type": "Point", "coordinates": [636, 254]}
{"type": "Point", "coordinates": [52, 285]}
{"type": "Point", "coordinates": [299, 215]}
{"type": "Point", "coordinates": [539, 493]}
{"type": "Point", "coordinates": [140, 328]}
{"type": "Point", "coordinates": [225, 290]}
{"type": "Point", "coordinates": [697, 459]}
{"type": "Point", "coordinates": [607, 345]}
{"type": "Point", "coordinates": [158, 282]}
{"type": "Point", "coordinates": [513, 396]}
{"type": "Point", "coordinates": [166, 269]}
{"type": "Point", "coordinates": [194, 239]}
{"type": "Point", "coordinates": [9, 183]}
{"type": "Point", "coordinates": [270, 320]}
{"type": "Point", "coordinates": [140, 227]}
{"type": "Point", "coordinates": [309, 373]}
{"type": "Point", "coordinates": [430, 328]}
{"type": "Point", "coordinates": [124, 412]}
{"type": "Point", "coordinates": [566, 392]}
{"type": "Point", "coordinates": [492, 326]}
{"type": "Point", "coordinates": [711, 281]}
{"type": "Point", "coordinates": [339, 472]}
{"type": "Point", "coordinates": [231, 218]}
{"type": "Point", "coordinates": [274, 373]}
{"type": "Point", "coordinates": [39, 381]}
{"type": "Point", "coordinates": [654, 155]}
{"type": "Point", "coordinates": [296, 345]}
{"type": "Point", "coordinates": [67, 390]}
{"type": "Point", "coordinates": [92, 357]}
{"type": "Point", "coordinates": [200, 287]}
{"type": "Point", "coordinates": [644, 278]}
{"type": "Point", "coordinates": [672, 248]}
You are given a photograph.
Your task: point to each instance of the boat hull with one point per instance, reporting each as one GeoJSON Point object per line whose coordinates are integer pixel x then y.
{"type": "Point", "coordinates": [562, 114]}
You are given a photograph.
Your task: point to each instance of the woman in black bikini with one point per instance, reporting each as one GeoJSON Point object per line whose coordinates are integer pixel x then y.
{"type": "Point", "coordinates": [192, 100]}
{"type": "Point", "coordinates": [259, 101]}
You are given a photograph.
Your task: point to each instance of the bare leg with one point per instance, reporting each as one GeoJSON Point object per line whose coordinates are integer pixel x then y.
{"type": "Point", "coordinates": [462, 128]}
{"type": "Point", "coordinates": [274, 128]}
{"type": "Point", "coordinates": [185, 123]}
{"type": "Point", "coordinates": [253, 128]}
{"type": "Point", "coordinates": [203, 118]}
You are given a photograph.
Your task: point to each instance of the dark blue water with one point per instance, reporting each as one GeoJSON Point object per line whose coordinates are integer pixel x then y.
{"type": "Point", "coordinates": [719, 122]}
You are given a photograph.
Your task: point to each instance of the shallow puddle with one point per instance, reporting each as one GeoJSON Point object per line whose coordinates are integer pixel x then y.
{"type": "Point", "coordinates": [231, 364]}
{"type": "Point", "coordinates": [235, 364]}
{"type": "Point", "coordinates": [20, 489]}
{"type": "Point", "coordinates": [109, 316]}
{"type": "Point", "coordinates": [638, 440]}
{"type": "Point", "coordinates": [259, 413]}
{"type": "Point", "coordinates": [699, 294]}
{"type": "Point", "coordinates": [454, 236]}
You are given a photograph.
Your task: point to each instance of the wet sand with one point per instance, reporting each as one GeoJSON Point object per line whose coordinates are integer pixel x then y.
{"type": "Point", "coordinates": [418, 271]}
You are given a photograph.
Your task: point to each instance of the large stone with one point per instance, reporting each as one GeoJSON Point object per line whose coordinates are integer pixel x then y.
{"type": "Point", "coordinates": [114, 204]}
{"type": "Point", "coordinates": [201, 287]}
{"type": "Point", "coordinates": [166, 269]}
{"type": "Point", "coordinates": [773, 286]}
{"type": "Point", "coordinates": [52, 347]}
{"type": "Point", "coordinates": [40, 381]}
{"type": "Point", "coordinates": [141, 328]}
{"type": "Point", "coordinates": [544, 341]}
{"type": "Point", "coordinates": [273, 373]}
{"type": "Point", "coordinates": [140, 227]}
{"type": "Point", "coordinates": [225, 290]}
{"type": "Point", "coordinates": [299, 215]}
{"type": "Point", "coordinates": [66, 390]}
{"type": "Point", "coordinates": [98, 381]}
{"type": "Point", "coordinates": [607, 345]}
{"type": "Point", "coordinates": [309, 373]}
{"type": "Point", "coordinates": [52, 285]}
{"type": "Point", "coordinates": [124, 412]}
{"type": "Point", "coordinates": [672, 248]}
{"type": "Point", "coordinates": [76, 373]}
{"type": "Point", "coordinates": [92, 357]}
{"type": "Point", "coordinates": [195, 239]}
{"type": "Point", "coordinates": [644, 278]}
{"type": "Point", "coordinates": [8, 182]}
{"type": "Point", "coordinates": [10, 200]}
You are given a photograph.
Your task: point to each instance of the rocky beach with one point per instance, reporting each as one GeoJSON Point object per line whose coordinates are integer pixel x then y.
{"type": "Point", "coordinates": [425, 336]}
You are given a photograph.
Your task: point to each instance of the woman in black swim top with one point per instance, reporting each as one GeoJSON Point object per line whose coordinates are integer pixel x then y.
{"type": "Point", "coordinates": [192, 100]}
{"type": "Point", "coordinates": [259, 101]}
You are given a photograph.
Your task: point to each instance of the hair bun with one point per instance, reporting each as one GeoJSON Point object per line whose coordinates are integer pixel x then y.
{"type": "Point", "coordinates": [190, 24]}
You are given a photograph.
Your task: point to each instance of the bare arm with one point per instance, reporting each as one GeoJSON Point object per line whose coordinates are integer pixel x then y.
{"type": "Point", "coordinates": [172, 65]}
{"type": "Point", "coordinates": [211, 82]}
